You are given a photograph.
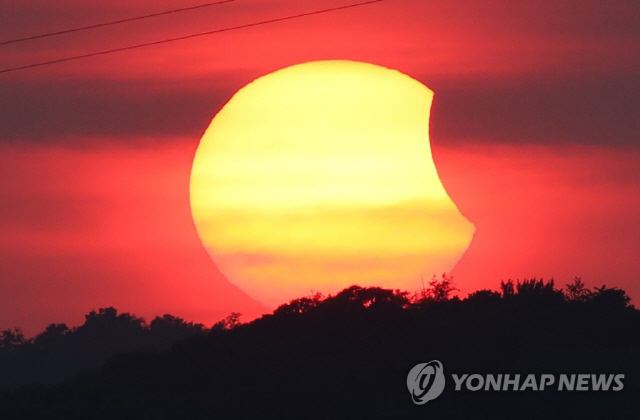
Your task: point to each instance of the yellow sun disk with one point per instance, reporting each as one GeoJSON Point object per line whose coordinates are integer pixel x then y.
{"type": "Point", "coordinates": [317, 169]}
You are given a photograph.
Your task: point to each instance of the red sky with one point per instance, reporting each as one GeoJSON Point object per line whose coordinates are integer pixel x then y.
{"type": "Point", "coordinates": [534, 132]}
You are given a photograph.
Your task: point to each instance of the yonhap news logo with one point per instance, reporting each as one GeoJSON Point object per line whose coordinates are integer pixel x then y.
{"type": "Point", "coordinates": [426, 382]}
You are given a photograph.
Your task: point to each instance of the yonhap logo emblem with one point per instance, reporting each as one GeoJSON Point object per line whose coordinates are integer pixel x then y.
{"type": "Point", "coordinates": [426, 381]}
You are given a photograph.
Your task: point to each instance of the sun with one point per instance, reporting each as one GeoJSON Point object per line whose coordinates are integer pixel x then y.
{"type": "Point", "coordinates": [320, 176]}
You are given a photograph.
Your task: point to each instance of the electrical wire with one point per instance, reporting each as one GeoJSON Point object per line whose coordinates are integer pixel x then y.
{"type": "Point", "coordinates": [190, 36]}
{"type": "Point", "coordinates": [115, 22]}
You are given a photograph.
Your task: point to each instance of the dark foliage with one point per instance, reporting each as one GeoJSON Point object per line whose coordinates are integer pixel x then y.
{"type": "Point", "coordinates": [60, 352]}
{"type": "Point", "coordinates": [347, 356]}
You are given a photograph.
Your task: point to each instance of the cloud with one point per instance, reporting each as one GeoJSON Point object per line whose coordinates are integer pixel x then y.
{"type": "Point", "coordinates": [541, 72]}
{"type": "Point", "coordinates": [590, 111]}
{"type": "Point", "coordinates": [580, 110]}
{"type": "Point", "coordinates": [76, 110]}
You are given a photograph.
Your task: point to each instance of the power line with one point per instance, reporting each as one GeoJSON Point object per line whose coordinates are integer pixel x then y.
{"type": "Point", "coordinates": [115, 22]}
{"type": "Point", "coordinates": [181, 38]}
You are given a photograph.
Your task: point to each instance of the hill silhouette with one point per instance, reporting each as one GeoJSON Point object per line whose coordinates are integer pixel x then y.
{"type": "Point", "coordinates": [59, 352]}
{"type": "Point", "coordinates": [343, 356]}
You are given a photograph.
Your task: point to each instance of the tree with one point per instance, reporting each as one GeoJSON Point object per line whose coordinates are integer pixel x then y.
{"type": "Point", "coordinates": [108, 319]}
{"type": "Point", "coordinates": [485, 295]}
{"type": "Point", "coordinates": [171, 328]}
{"type": "Point", "coordinates": [532, 292]}
{"type": "Point", "coordinates": [577, 291]}
{"type": "Point", "coordinates": [231, 321]}
{"type": "Point", "coordinates": [535, 287]}
{"type": "Point", "coordinates": [507, 288]}
{"type": "Point", "coordinates": [11, 338]}
{"type": "Point", "coordinates": [53, 333]}
{"type": "Point", "coordinates": [356, 298]}
{"type": "Point", "coordinates": [611, 298]}
{"type": "Point", "coordinates": [300, 305]}
{"type": "Point", "coordinates": [439, 290]}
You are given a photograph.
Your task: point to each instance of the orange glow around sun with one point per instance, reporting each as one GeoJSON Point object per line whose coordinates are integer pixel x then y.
{"type": "Point", "coordinates": [319, 176]}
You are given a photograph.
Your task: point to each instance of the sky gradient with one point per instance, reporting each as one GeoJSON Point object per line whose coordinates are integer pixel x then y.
{"type": "Point", "coordinates": [534, 130]}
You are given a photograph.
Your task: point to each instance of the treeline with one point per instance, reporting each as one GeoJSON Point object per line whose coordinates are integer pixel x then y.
{"type": "Point", "coordinates": [59, 352]}
{"type": "Point", "coordinates": [347, 356]}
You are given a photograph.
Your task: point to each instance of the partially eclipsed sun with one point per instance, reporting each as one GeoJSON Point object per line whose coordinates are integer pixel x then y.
{"type": "Point", "coordinates": [319, 176]}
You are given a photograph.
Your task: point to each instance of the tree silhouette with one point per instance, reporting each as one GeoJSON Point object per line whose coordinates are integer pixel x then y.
{"type": "Point", "coordinates": [299, 306]}
{"type": "Point", "coordinates": [439, 289]}
{"type": "Point", "coordinates": [53, 333]}
{"type": "Point", "coordinates": [231, 321]}
{"type": "Point", "coordinates": [174, 327]}
{"type": "Point", "coordinates": [59, 352]}
{"type": "Point", "coordinates": [340, 356]}
{"type": "Point", "coordinates": [356, 297]}
{"type": "Point", "coordinates": [577, 291]}
{"type": "Point", "coordinates": [11, 338]}
{"type": "Point", "coordinates": [610, 298]}
{"type": "Point", "coordinates": [507, 288]}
